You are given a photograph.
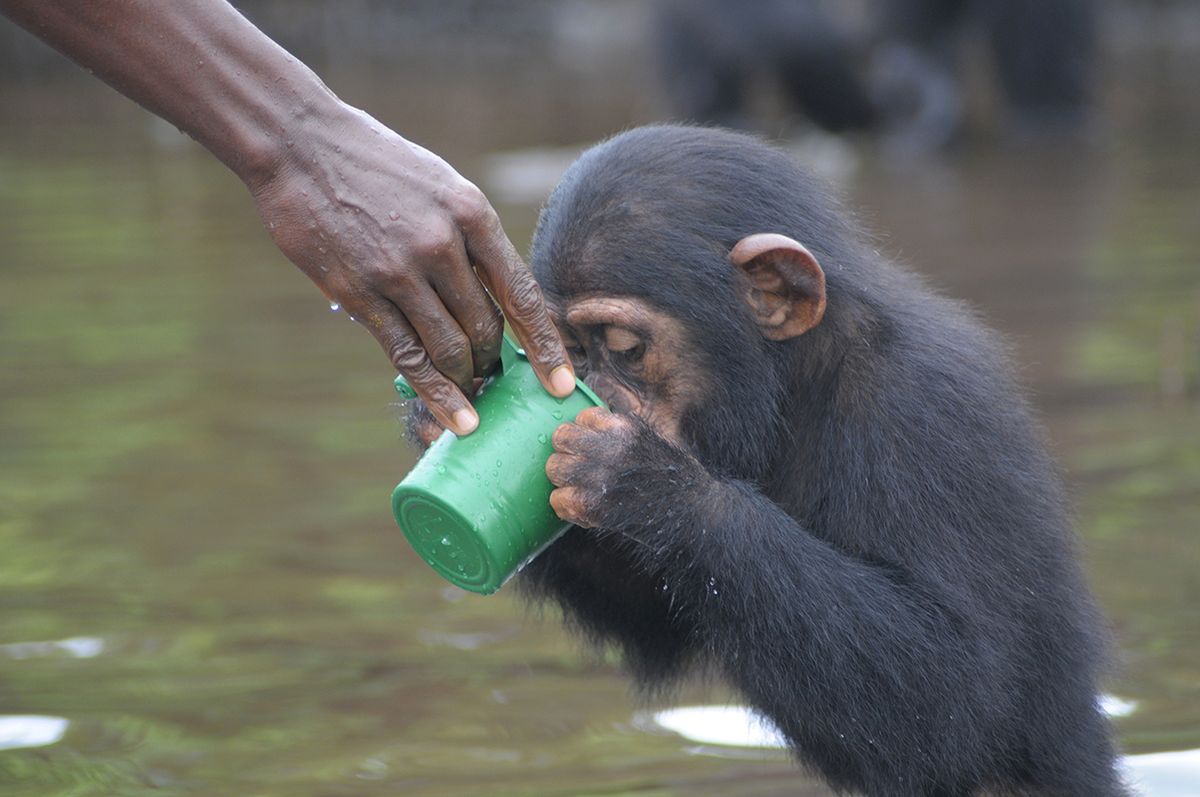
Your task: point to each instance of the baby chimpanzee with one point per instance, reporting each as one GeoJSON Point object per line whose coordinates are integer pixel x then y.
{"type": "Point", "coordinates": [817, 480]}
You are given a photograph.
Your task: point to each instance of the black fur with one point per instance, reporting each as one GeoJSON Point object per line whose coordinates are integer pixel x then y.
{"type": "Point", "coordinates": [884, 564]}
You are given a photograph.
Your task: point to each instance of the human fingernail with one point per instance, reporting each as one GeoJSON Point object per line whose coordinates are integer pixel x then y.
{"type": "Point", "coordinates": [562, 380]}
{"type": "Point", "coordinates": [465, 421]}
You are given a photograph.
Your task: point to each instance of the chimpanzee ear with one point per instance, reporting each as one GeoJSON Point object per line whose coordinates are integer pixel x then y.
{"type": "Point", "coordinates": [786, 286]}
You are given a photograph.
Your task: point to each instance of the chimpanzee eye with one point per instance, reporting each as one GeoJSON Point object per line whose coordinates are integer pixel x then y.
{"type": "Point", "coordinates": [619, 339]}
{"type": "Point", "coordinates": [624, 345]}
{"type": "Point", "coordinates": [631, 356]}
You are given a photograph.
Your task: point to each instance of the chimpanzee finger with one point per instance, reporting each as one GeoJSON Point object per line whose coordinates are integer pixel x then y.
{"type": "Point", "coordinates": [570, 504]}
{"type": "Point", "coordinates": [564, 469]}
{"type": "Point", "coordinates": [568, 439]}
{"type": "Point", "coordinates": [600, 419]}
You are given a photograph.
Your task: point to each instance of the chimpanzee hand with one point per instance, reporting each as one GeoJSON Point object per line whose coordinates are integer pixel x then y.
{"type": "Point", "coordinates": [421, 427]}
{"type": "Point", "coordinates": [603, 458]}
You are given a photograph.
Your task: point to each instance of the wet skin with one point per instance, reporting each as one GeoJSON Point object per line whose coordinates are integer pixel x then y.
{"type": "Point", "coordinates": [640, 361]}
{"type": "Point", "coordinates": [385, 228]}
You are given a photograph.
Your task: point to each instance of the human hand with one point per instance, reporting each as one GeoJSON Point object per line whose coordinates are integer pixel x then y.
{"type": "Point", "coordinates": [602, 461]}
{"type": "Point", "coordinates": [405, 245]}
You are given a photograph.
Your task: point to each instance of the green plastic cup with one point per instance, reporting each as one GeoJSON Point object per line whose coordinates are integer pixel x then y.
{"type": "Point", "coordinates": [477, 508]}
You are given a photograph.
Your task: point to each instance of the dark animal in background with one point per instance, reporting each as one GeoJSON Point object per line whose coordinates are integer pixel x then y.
{"type": "Point", "coordinates": [710, 53]}
{"type": "Point", "coordinates": [1043, 55]}
{"type": "Point", "coordinates": [818, 481]}
{"type": "Point", "coordinates": [896, 67]}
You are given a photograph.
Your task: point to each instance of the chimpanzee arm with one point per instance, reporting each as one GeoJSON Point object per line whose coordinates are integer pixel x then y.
{"type": "Point", "coordinates": [859, 662]}
{"type": "Point", "coordinates": [858, 656]}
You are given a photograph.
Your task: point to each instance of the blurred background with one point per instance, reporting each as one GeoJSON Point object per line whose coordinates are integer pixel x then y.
{"type": "Point", "coordinates": [202, 590]}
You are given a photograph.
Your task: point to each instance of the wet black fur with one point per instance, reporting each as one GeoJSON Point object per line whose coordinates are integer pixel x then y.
{"type": "Point", "coordinates": [885, 564]}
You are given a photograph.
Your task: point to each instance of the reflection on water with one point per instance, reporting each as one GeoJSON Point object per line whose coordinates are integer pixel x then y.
{"type": "Point", "coordinates": [717, 729]}
{"type": "Point", "coordinates": [201, 584]}
{"type": "Point", "coordinates": [30, 731]}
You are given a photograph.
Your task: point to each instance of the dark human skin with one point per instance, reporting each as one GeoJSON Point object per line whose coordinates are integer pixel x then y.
{"type": "Point", "coordinates": [386, 229]}
{"type": "Point", "coordinates": [817, 481]}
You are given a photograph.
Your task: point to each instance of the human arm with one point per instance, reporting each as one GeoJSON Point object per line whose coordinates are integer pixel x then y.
{"type": "Point", "coordinates": [385, 228]}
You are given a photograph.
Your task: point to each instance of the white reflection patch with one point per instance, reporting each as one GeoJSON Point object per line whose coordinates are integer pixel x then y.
{"type": "Point", "coordinates": [731, 726]}
{"type": "Point", "coordinates": [78, 647]}
{"type": "Point", "coordinates": [30, 730]}
{"type": "Point", "coordinates": [1174, 774]}
{"type": "Point", "coordinates": [1114, 706]}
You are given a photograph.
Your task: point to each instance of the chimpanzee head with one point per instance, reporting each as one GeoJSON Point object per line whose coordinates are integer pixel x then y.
{"type": "Point", "coordinates": [681, 266]}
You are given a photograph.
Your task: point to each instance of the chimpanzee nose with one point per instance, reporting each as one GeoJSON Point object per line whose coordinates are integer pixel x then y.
{"type": "Point", "coordinates": [604, 388]}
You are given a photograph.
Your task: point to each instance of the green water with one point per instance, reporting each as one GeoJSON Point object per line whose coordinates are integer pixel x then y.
{"type": "Point", "coordinates": [196, 457]}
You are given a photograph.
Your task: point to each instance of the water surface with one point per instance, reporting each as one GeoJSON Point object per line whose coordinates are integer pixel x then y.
{"type": "Point", "coordinates": [201, 587]}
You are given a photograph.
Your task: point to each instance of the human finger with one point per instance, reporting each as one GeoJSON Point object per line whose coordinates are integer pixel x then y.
{"type": "Point", "coordinates": [445, 343]}
{"type": "Point", "coordinates": [514, 288]}
{"type": "Point", "coordinates": [477, 315]}
{"type": "Point", "coordinates": [407, 354]}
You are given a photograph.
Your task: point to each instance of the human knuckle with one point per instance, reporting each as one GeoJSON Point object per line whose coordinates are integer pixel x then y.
{"type": "Point", "coordinates": [412, 361]}
{"type": "Point", "coordinates": [525, 298]}
{"type": "Point", "coordinates": [450, 352]}
{"type": "Point", "coordinates": [408, 357]}
{"type": "Point", "coordinates": [434, 241]}
{"type": "Point", "coordinates": [469, 207]}
{"type": "Point", "coordinates": [384, 275]}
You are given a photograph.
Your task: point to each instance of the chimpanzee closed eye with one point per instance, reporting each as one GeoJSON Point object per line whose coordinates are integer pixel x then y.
{"type": "Point", "coordinates": [817, 480]}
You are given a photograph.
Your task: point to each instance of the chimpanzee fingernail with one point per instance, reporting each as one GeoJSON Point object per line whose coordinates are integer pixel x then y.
{"type": "Point", "coordinates": [562, 380]}
{"type": "Point", "coordinates": [465, 421]}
